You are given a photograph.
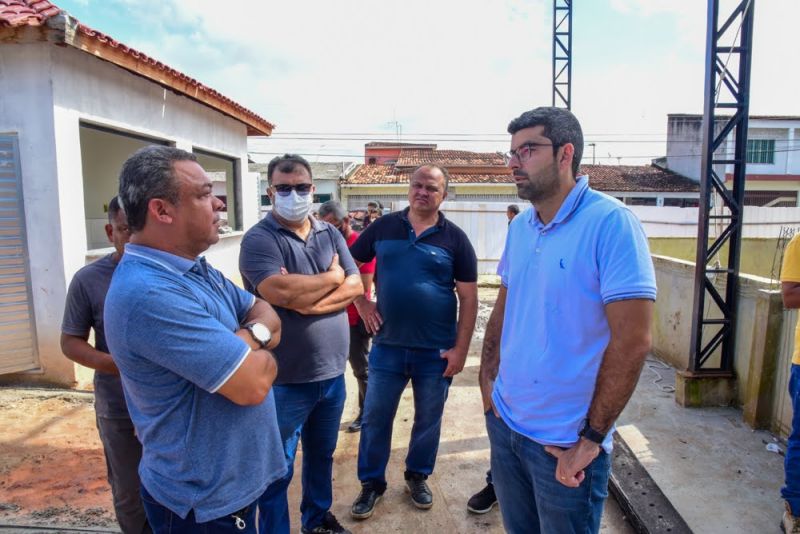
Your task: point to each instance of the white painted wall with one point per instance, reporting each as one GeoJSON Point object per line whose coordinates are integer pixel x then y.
{"type": "Point", "coordinates": [26, 109]}
{"type": "Point", "coordinates": [485, 224]}
{"type": "Point", "coordinates": [685, 146]}
{"type": "Point", "coordinates": [45, 92]}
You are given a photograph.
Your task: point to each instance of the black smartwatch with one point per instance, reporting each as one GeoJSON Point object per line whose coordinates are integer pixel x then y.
{"type": "Point", "coordinates": [260, 333]}
{"type": "Point", "coordinates": [591, 434]}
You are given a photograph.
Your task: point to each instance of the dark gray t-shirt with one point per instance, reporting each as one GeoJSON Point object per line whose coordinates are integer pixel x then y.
{"type": "Point", "coordinates": [84, 311]}
{"type": "Point", "coordinates": [312, 347]}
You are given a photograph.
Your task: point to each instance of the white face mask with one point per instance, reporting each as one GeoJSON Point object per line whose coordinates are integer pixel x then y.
{"type": "Point", "coordinates": [293, 207]}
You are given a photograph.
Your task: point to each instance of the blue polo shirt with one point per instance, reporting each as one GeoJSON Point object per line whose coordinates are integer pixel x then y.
{"type": "Point", "coordinates": [312, 347]}
{"type": "Point", "coordinates": [559, 278]}
{"type": "Point", "coordinates": [415, 278]}
{"type": "Point", "coordinates": [170, 325]}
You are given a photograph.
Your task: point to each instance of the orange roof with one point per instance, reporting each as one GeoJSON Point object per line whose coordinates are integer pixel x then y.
{"type": "Point", "coordinates": [16, 14]}
{"type": "Point", "coordinates": [623, 178]}
{"type": "Point", "coordinates": [387, 174]}
{"type": "Point", "coordinates": [642, 178]}
{"type": "Point", "coordinates": [26, 13]}
{"type": "Point", "coordinates": [448, 158]}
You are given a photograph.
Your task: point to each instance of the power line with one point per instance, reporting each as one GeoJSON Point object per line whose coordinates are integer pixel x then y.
{"type": "Point", "coordinates": [359, 156]}
{"type": "Point", "coordinates": [440, 134]}
{"type": "Point", "coordinates": [587, 141]}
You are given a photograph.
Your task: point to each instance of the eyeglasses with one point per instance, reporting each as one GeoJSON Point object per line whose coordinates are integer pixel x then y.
{"type": "Point", "coordinates": [286, 189]}
{"type": "Point", "coordinates": [523, 152]}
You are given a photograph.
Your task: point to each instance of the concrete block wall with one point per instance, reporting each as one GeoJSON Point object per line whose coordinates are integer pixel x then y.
{"type": "Point", "coordinates": [760, 328]}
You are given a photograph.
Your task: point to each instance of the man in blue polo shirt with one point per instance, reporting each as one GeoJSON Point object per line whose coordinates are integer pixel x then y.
{"type": "Point", "coordinates": [302, 266]}
{"type": "Point", "coordinates": [421, 259]}
{"type": "Point", "coordinates": [191, 349]}
{"type": "Point", "coordinates": [568, 335]}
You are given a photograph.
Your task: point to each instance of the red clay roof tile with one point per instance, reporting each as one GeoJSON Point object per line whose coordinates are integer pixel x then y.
{"type": "Point", "coordinates": [622, 178]}
{"type": "Point", "coordinates": [26, 12]}
{"type": "Point", "coordinates": [410, 157]}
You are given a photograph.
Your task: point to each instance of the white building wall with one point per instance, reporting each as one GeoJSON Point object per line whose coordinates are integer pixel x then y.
{"type": "Point", "coordinates": [45, 92]}
{"type": "Point", "coordinates": [685, 145]}
{"type": "Point", "coordinates": [26, 109]}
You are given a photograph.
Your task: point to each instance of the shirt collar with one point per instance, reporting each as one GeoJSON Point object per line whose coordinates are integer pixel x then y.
{"type": "Point", "coordinates": [570, 205]}
{"type": "Point", "coordinates": [171, 262]}
{"type": "Point", "coordinates": [404, 216]}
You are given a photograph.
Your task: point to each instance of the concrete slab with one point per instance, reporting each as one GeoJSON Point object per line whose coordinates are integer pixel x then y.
{"type": "Point", "coordinates": [714, 469]}
{"type": "Point", "coordinates": [460, 468]}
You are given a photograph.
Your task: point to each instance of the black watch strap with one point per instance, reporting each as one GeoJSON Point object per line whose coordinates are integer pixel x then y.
{"type": "Point", "coordinates": [591, 434]}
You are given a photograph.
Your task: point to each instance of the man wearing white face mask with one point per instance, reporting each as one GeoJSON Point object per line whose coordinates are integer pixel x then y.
{"type": "Point", "coordinates": [303, 268]}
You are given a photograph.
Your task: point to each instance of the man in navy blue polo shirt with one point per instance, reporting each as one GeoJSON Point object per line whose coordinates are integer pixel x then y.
{"type": "Point", "coordinates": [302, 266]}
{"type": "Point", "coordinates": [191, 349]}
{"type": "Point", "coordinates": [421, 259]}
{"type": "Point", "coordinates": [568, 334]}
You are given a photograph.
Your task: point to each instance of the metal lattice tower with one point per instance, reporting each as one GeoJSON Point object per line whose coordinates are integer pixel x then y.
{"type": "Point", "coordinates": [727, 91]}
{"type": "Point", "coordinates": [562, 53]}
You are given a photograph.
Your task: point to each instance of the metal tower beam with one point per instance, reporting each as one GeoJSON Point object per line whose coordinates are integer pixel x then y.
{"type": "Point", "coordinates": [562, 53]}
{"type": "Point", "coordinates": [727, 90]}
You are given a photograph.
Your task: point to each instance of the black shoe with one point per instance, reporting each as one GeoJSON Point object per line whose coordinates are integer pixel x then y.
{"type": "Point", "coordinates": [421, 494]}
{"type": "Point", "coordinates": [483, 501]}
{"type": "Point", "coordinates": [355, 426]}
{"type": "Point", "coordinates": [365, 503]}
{"type": "Point", "coordinates": [329, 525]}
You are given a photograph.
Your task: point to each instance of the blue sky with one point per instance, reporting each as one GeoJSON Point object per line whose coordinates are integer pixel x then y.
{"type": "Point", "coordinates": [339, 70]}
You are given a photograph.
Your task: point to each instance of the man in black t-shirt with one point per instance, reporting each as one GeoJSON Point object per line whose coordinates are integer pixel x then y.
{"type": "Point", "coordinates": [84, 312]}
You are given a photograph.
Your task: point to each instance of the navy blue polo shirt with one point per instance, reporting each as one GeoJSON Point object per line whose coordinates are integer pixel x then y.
{"type": "Point", "coordinates": [416, 278]}
{"type": "Point", "coordinates": [312, 347]}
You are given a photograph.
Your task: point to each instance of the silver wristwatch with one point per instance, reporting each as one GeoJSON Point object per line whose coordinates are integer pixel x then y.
{"type": "Point", "coordinates": [260, 333]}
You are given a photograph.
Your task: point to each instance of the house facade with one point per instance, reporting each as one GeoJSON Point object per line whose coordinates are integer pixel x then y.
{"type": "Point", "coordinates": [773, 166]}
{"type": "Point", "coordinates": [74, 104]}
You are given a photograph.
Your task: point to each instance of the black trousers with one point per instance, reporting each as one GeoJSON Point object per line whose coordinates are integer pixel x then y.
{"type": "Point", "coordinates": [123, 452]}
{"type": "Point", "coordinates": [358, 357]}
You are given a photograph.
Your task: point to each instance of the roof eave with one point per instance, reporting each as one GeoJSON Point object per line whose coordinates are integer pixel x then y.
{"type": "Point", "coordinates": [63, 29]}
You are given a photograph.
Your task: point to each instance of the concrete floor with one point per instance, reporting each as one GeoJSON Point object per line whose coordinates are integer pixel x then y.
{"type": "Point", "coordinates": [460, 468]}
{"type": "Point", "coordinates": [714, 469]}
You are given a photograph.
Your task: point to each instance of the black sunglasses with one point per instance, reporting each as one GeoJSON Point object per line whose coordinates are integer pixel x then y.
{"type": "Point", "coordinates": [285, 189]}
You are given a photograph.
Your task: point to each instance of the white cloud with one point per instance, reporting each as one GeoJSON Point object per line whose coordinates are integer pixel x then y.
{"type": "Point", "coordinates": [451, 66]}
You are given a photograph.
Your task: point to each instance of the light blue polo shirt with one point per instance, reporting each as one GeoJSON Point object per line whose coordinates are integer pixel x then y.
{"type": "Point", "coordinates": [559, 277]}
{"type": "Point", "coordinates": [170, 324]}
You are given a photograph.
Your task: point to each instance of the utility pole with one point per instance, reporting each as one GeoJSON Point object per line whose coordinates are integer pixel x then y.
{"type": "Point", "coordinates": [727, 90]}
{"type": "Point", "coordinates": [562, 53]}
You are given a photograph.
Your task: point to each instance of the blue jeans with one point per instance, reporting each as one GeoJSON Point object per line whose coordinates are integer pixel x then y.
{"type": "Point", "coordinates": [164, 521]}
{"type": "Point", "coordinates": [310, 413]}
{"type": "Point", "coordinates": [531, 499]}
{"type": "Point", "coordinates": [390, 369]}
{"type": "Point", "coordinates": [791, 491]}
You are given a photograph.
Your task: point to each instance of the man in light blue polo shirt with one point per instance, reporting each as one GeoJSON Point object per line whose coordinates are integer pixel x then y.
{"type": "Point", "coordinates": [191, 349]}
{"type": "Point", "coordinates": [568, 335]}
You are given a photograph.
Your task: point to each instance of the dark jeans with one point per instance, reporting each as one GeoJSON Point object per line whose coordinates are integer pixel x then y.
{"type": "Point", "coordinates": [390, 369]}
{"type": "Point", "coordinates": [359, 351]}
{"type": "Point", "coordinates": [123, 453]}
{"type": "Point", "coordinates": [165, 521]}
{"type": "Point", "coordinates": [531, 499]}
{"type": "Point", "coordinates": [310, 413]}
{"type": "Point", "coordinates": [791, 491]}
